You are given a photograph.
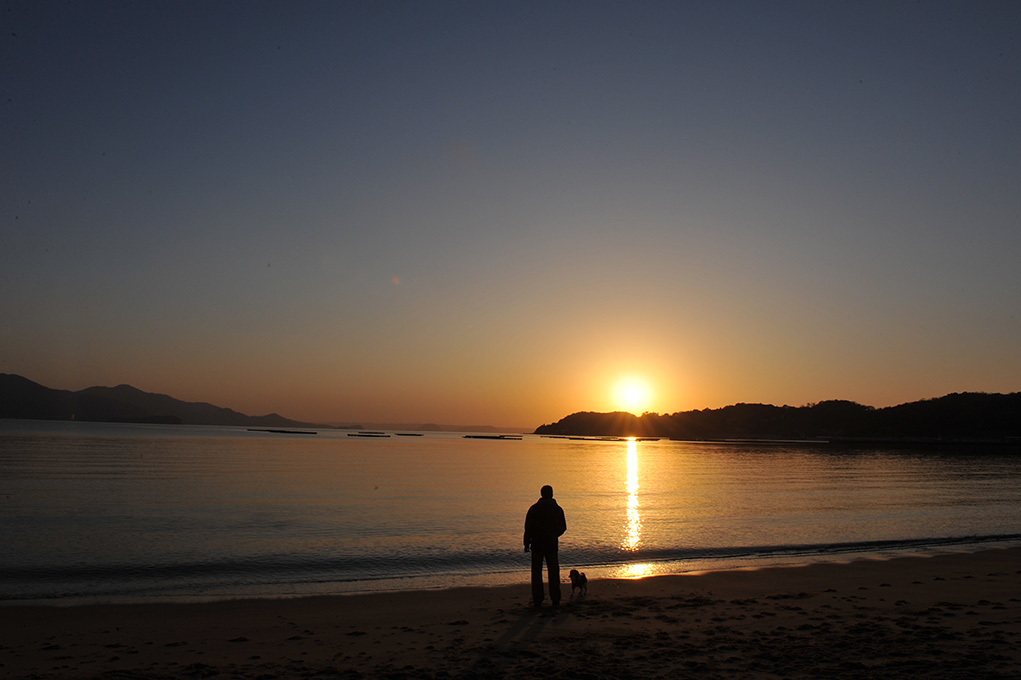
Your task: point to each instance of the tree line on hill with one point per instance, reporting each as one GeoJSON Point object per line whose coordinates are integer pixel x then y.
{"type": "Point", "coordinates": [977, 417]}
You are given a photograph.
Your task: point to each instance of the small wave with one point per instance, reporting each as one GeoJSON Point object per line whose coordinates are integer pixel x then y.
{"type": "Point", "coordinates": [596, 558]}
{"type": "Point", "coordinates": [299, 574]}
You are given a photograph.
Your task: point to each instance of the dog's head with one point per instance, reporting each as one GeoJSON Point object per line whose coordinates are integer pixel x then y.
{"type": "Point", "coordinates": [574, 574]}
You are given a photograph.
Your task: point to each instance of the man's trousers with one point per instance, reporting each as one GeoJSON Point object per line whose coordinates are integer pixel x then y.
{"type": "Point", "coordinates": [553, 567]}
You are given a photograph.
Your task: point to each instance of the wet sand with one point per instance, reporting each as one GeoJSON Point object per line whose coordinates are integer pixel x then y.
{"type": "Point", "coordinates": [949, 616]}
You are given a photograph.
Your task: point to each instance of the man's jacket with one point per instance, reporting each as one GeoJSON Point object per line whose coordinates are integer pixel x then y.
{"type": "Point", "coordinates": [544, 524]}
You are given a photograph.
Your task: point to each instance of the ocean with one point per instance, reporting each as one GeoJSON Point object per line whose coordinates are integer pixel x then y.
{"type": "Point", "coordinates": [98, 512]}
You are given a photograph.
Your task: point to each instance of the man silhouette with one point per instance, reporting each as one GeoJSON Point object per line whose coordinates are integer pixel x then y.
{"type": "Point", "coordinates": [544, 524]}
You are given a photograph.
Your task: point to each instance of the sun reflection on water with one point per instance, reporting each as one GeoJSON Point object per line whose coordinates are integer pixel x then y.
{"type": "Point", "coordinates": [633, 527]}
{"type": "Point", "coordinates": [635, 571]}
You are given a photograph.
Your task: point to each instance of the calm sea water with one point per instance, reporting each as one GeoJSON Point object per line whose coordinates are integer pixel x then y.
{"type": "Point", "coordinates": [107, 512]}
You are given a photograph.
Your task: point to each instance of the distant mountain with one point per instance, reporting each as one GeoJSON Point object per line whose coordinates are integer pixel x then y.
{"type": "Point", "coordinates": [22, 398]}
{"type": "Point", "coordinates": [974, 417]}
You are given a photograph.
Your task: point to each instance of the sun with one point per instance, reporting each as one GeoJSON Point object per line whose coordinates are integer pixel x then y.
{"type": "Point", "coordinates": [632, 394]}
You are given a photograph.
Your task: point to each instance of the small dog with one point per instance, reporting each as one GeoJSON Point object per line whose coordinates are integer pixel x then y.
{"type": "Point", "coordinates": [578, 582]}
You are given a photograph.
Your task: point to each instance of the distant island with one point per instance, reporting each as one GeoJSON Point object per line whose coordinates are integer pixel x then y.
{"type": "Point", "coordinates": [20, 398]}
{"type": "Point", "coordinates": [963, 417]}
{"type": "Point", "coordinates": [966, 417]}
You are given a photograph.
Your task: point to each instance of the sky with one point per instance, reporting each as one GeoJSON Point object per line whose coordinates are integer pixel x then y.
{"type": "Point", "coordinates": [504, 213]}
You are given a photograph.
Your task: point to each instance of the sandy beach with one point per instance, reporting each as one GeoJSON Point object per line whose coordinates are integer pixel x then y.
{"type": "Point", "coordinates": [948, 616]}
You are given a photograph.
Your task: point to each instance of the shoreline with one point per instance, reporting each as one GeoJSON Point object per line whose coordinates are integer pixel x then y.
{"type": "Point", "coordinates": [743, 559]}
{"type": "Point", "coordinates": [948, 615]}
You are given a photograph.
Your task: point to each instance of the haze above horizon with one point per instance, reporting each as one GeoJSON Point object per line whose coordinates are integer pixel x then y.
{"type": "Point", "coordinates": [407, 212]}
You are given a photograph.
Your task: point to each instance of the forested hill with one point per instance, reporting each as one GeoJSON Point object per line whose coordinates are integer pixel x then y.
{"type": "Point", "coordinates": [22, 398]}
{"type": "Point", "coordinates": [955, 417]}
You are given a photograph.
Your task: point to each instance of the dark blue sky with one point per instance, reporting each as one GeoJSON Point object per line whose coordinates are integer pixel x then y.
{"type": "Point", "coordinates": [497, 212]}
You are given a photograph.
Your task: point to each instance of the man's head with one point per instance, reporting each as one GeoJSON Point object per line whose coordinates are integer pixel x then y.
{"type": "Point", "coordinates": [546, 491]}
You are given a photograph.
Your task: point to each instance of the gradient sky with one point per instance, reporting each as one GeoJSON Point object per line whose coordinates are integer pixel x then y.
{"type": "Point", "coordinates": [493, 212]}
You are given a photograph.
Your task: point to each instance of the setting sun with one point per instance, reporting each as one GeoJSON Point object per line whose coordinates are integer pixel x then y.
{"type": "Point", "coordinates": [632, 394]}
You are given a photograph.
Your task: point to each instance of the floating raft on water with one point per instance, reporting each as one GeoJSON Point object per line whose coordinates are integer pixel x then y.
{"type": "Point", "coordinates": [257, 429]}
{"type": "Point", "coordinates": [381, 435]}
{"type": "Point", "coordinates": [584, 438]}
{"type": "Point", "coordinates": [493, 436]}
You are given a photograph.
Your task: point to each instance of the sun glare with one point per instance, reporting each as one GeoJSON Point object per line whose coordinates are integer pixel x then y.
{"type": "Point", "coordinates": [633, 395]}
